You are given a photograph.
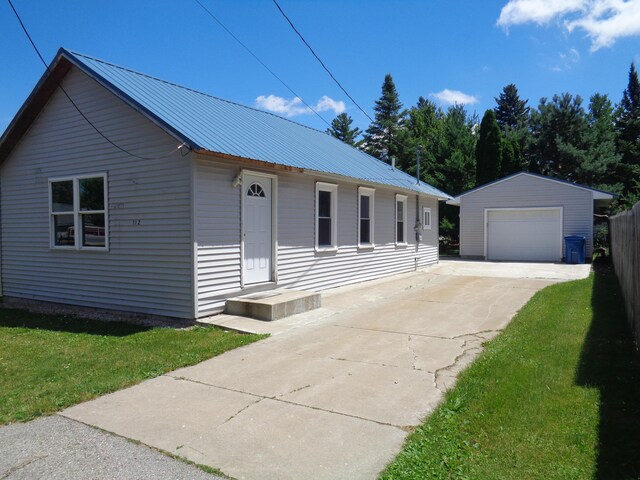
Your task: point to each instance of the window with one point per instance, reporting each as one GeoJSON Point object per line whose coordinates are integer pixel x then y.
{"type": "Point", "coordinates": [365, 216]}
{"type": "Point", "coordinates": [401, 219]}
{"type": "Point", "coordinates": [78, 212]}
{"type": "Point", "coordinates": [255, 190]}
{"type": "Point", "coordinates": [426, 218]}
{"type": "Point", "coordinates": [326, 213]}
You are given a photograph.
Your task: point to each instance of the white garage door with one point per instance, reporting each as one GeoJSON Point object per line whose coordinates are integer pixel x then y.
{"type": "Point", "coordinates": [528, 235]}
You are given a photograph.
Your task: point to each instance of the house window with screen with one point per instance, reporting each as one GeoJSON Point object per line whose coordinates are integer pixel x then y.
{"type": "Point", "coordinates": [426, 218]}
{"type": "Point", "coordinates": [78, 212]}
{"type": "Point", "coordinates": [326, 213]}
{"type": "Point", "coordinates": [401, 219]}
{"type": "Point", "coordinates": [365, 216]}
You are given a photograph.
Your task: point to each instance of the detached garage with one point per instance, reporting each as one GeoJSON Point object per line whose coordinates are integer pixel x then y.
{"type": "Point", "coordinates": [525, 217]}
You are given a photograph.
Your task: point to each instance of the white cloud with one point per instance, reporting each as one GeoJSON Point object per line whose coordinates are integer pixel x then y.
{"type": "Point", "coordinates": [294, 106]}
{"type": "Point", "coordinates": [517, 12]}
{"type": "Point", "coordinates": [609, 20]}
{"type": "Point", "coordinates": [604, 21]}
{"type": "Point", "coordinates": [451, 97]}
{"type": "Point", "coordinates": [567, 60]}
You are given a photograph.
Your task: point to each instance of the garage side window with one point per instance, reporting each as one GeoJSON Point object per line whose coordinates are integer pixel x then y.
{"type": "Point", "coordinates": [365, 216]}
{"type": "Point", "coordinates": [78, 212]}
{"type": "Point", "coordinates": [426, 218]}
{"type": "Point", "coordinates": [326, 213]}
{"type": "Point", "coordinates": [401, 219]}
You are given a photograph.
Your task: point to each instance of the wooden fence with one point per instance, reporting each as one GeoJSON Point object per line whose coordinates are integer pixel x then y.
{"type": "Point", "coordinates": [625, 252]}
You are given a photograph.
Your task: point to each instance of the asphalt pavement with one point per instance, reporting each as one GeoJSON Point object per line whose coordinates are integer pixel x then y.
{"type": "Point", "coordinates": [57, 448]}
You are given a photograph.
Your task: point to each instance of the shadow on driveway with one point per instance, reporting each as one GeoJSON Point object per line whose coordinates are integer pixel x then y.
{"type": "Point", "coordinates": [610, 362]}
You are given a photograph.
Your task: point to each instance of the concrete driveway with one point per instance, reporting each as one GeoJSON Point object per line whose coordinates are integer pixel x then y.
{"type": "Point", "coordinates": [333, 393]}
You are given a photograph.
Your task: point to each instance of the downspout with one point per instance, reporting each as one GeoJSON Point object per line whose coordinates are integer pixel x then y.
{"type": "Point", "coordinates": [418, 226]}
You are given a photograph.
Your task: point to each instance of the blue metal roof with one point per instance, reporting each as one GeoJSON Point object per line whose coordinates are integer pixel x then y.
{"type": "Point", "coordinates": [216, 125]}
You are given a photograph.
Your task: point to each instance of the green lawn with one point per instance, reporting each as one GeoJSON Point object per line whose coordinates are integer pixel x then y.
{"type": "Point", "coordinates": [555, 396]}
{"type": "Point", "coordinates": [50, 362]}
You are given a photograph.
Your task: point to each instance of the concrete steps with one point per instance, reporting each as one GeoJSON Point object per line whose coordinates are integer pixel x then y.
{"type": "Point", "coordinates": [273, 304]}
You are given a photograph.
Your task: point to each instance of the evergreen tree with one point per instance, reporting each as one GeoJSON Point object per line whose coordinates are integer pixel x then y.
{"type": "Point", "coordinates": [488, 149]}
{"type": "Point", "coordinates": [382, 135]}
{"type": "Point", "coordinates": [559, 132]}
{"type": "Point", "coordinates": [599, 166]}
{"type": "Point", "coordinates": [459, 161]}
{"type": "Point", "coordinates": [511, 156]}
{"type": "Point", "coordinates": [511, 111]}
{"type": "Point", "coordinates": [341, 129]}
{"type": "Point", "coordinates": [628, 129]}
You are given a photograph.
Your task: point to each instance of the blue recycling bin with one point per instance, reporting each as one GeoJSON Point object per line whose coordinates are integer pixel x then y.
{"type": "Point", "coordinates": [574, 246]}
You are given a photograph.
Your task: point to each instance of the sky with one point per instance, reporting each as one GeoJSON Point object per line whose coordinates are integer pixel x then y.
{"type": "Point", "coordinates": [447, 51]}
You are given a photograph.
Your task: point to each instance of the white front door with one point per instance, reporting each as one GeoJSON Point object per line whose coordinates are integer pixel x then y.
{"type": "Point", "coordinates": [256, 228]}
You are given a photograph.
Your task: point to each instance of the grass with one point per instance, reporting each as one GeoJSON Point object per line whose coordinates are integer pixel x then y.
{"type": "Point", "coordinates": [52, 362]}
{"type": "Point", "coordinates": [555, 396]}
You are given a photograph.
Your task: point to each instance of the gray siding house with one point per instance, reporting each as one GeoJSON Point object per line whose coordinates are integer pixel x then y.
{"type": "Point", "coordinates": [525, 217]}
{"type": "Point", "coordinates": [143, 196]}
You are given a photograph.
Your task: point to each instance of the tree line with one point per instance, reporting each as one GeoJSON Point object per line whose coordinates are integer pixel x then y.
{"type": "Point", "coordinates": [596, 145]}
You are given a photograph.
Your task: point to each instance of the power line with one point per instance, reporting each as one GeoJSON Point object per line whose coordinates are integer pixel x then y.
{"type": "Point", "coordinates": [320, 60]}
{"type": "Point", "coordinates": [26, 32]}
{"type": "Point", "coordinates": [398, 142]}
{"type": "Point", "coordinates": [260, 61]}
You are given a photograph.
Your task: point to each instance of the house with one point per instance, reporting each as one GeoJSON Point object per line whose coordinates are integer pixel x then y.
{"type": "Point", "coordinates": [156, 199]}
{"type": "Point", "coordinates": [525, 217]}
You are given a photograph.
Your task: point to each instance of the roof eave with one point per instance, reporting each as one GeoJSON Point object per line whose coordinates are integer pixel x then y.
{"type": "Point", "coordinates": [279, 166]}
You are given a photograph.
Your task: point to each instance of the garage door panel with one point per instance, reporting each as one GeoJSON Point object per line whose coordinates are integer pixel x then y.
{"type": "Point", "coordinates": [527, 235]}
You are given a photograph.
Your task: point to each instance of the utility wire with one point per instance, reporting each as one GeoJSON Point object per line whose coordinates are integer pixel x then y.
{"type": "Point", "coordinates": [329, 71]}
{"type": "Point", "coordinates": [231, 34]}
{"type": "Point", "coordinates": [320, 60]}
{"type": "Point", "coordinates": [26, 32]}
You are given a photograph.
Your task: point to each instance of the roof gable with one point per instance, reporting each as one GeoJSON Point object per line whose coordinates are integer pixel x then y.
{"type": "Point", "coordinates": [597, 194]}
{"type": "Point", "coordinates": [214, 125]}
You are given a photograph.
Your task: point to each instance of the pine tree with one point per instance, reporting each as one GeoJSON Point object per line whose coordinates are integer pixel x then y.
{"type": "Point", "coordinates": [511, 111]}
{"type": "Point", "coordinates": [628, 129]}
{"type": "Point", "coordinates": [601, 161]}
{"type": "Point", "coordinates": [382, 135]}
{"type": "Point", "coordinates": [559, 132]}
{"type": "Point", "coordinates": [341, 129]}
{"type": "Point", "coordinates": [488, 149]}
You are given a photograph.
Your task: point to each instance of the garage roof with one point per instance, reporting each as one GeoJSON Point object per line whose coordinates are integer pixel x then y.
{"type": "Point", "coordinates": [597, 194]}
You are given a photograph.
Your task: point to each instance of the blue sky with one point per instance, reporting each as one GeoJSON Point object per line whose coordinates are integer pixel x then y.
{"type": "Point", "coordinates": [446, 51]}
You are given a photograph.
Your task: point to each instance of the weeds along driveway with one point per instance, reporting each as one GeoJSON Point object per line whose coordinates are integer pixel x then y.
{"type": "Point", "coordinates": [334, 393]}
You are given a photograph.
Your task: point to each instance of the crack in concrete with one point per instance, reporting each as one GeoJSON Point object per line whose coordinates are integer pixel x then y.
{"type": "Point", "coordinates": [240, 411]}
{"type": "Point", "coordinates": [340, 359]}
{"type": "Point", "coordinates": [451, 369]}
{"type": "Point", "coordinates": [415, 355]}
{"type": "Point", "coordinates": [477, 334]}
{"type": "Point", "coordinates": [396, 333]}
{"type": "Point", "coordinates": [20, 466]}
{"type": "Point", "coordinates": [278, 399]}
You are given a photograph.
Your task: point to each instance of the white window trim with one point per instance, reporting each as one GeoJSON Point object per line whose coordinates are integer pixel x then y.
{"type": "Point", "coordinates": [77, 213]}
{"type": "Point", "coordinates": [371, 193]}
{"type": "Point", "coordinates": [425, 225]}
{"type": "Point", "coordinates": [403, 199]}
{"type": "Point", "coordinates": [333, 189]}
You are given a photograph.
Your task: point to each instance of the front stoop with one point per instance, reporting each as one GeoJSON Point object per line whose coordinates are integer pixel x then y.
{"type": "Point", "coordinates": [273, 304]}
